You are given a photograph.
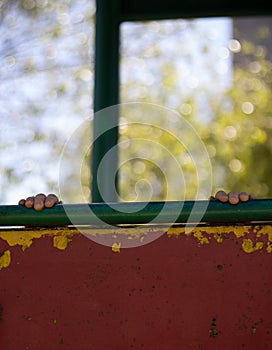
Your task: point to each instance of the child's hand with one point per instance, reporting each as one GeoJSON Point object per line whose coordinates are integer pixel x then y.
{"type": "Point", "coordinates": [40, 201]}
{"type": "Point", "coordinates": [232, 197]}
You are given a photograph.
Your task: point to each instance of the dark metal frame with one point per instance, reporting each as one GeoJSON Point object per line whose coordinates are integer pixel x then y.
{"type": "Point", "coordinates": [109, 15]}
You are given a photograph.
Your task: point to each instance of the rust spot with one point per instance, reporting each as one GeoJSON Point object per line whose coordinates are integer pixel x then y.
{"type": "Point", "coordinates": [253, 330]}
{"type": "Point", "coordinates": [213, 329]}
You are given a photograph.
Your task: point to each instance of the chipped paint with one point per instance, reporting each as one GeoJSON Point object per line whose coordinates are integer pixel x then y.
{"type": "Point", "coordinates": [61, 242]}
{"type": "Point", "coordinates": [5, 259]}
{"type": "Point", "coordinates": [219, 233]}
{"type": "Point", "coordinates": [201, 238]}
{"type": "Point", "coordinates": [252, 238]}
{"type": "Point", "coordinates": [116, 247]}
{"type": "Point", "coordinates": [22, 238]}
{"type": "Point", "coordinates": [269, 247]}
{"type": "Point", "coordinates": [249, 246]}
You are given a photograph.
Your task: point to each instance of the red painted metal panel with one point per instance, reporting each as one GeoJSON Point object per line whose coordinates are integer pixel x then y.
{"type": "Point", "coordinates": [173, 293]}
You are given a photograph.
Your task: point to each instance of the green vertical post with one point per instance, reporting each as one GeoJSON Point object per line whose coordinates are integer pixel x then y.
{"type": "Point", "coordinates": [106, 93]}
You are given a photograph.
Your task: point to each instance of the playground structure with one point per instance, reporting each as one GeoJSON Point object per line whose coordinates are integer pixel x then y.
{"type": "Point", "coordinates": [141, 280]}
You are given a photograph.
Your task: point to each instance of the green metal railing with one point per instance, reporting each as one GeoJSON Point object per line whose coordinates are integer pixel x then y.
{"type": "Point", "coordinates": [109, 15]}
{"type": "Point", "coordinates": [106, 93]}
{"type": "Point", "coordinates": [171, 9]}
{"type": "Point", "coordinates": [211, 212]}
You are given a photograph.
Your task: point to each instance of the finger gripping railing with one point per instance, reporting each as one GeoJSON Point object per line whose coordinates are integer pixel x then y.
{"type": "Point", "coordinates": [210, 212]}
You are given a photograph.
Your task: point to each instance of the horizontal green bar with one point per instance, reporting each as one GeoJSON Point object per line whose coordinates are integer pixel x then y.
{"type": "Point", "coordinates": [211, 212]}
{"type": "Point", "coordinates": [170, 9]}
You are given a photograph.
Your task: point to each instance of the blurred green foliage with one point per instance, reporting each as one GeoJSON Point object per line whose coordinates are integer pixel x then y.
{"type": "Point", "coordinates": [49, 46]}
{"type": "Point", "coordinates": [236, 130]}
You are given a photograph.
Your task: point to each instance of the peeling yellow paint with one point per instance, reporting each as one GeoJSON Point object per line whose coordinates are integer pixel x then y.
{"type": "Point", "coordinates": [25, 237]}
{"type": "Point", "coordinates": [217, 232]}
{"type": "Point", "coordinates": [203, 235]}
{"type": "Point", "coordinates": [61, 242]}
{"type": "Point", "coordinates": [270, 236]}
{"type": "Point", "coordinates": [249, 246]}
{"type": "Point", "coordinates": [22, 238]}
{"type": "Point", "coordinates": [218, 237]}
{"type": "Point", "coordinates": [173, 231]}
{"type": "Point", "coordinates": [269, 247]}
{"type": "Point", "coordinates": [202, 239]}
{"type": "Point", "coordinates": [251, 238]}
{"type": "Point", "coordinates": [5, 259]}
{"type": "Point", "coordinates": [116, 247]}
{"type": "Point", "coordinates": [241, 231]}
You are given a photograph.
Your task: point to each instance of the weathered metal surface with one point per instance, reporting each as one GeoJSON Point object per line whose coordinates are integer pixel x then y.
{"type": "Point", "coordinates": [209, 289]}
